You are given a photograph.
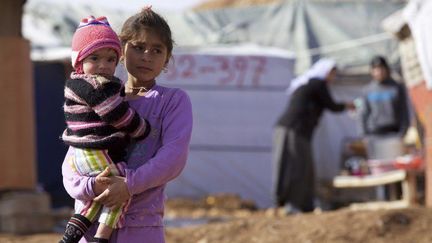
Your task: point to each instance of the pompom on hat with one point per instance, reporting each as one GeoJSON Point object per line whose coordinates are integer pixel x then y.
{"type": "Point", "coordinates": [93, 34]}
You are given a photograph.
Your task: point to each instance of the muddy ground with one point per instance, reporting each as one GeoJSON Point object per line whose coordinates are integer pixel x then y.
{"type": "Point", "coordinates": [220, 219]}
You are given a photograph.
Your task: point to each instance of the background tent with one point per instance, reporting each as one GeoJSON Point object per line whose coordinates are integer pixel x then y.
{"type": "Point", "coordinates": [310, 28]}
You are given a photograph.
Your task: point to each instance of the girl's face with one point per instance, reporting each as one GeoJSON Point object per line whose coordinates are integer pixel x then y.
{"type": "Point", "coordinates": [145, 57]}
{"type": "Point", "coordinates": [102, 62]}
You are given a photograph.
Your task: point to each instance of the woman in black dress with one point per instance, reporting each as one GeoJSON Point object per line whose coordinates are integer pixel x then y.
{"type": "Point", "coordinates": [294, 175]}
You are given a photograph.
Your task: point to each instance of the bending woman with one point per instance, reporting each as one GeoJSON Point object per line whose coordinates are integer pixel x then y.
{"type": "Point", "coordinates": [294, 176]}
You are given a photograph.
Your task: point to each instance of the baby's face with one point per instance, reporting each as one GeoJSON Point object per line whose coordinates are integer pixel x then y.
{"type": "Point", "coordinates": [102, 62]}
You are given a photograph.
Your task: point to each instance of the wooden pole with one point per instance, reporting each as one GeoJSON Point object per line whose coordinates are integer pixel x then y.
{"type": "Point", "coordinates": [17, 122]}
{"type": "Point", "coordinates": [421, 97]}
{"type": "Point", "coordinates": [428, 149]}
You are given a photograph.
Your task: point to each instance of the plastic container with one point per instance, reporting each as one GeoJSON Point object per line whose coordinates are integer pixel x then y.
{"type": "Point", "coordinates": [378, 166]}
{"type": "Point", "coordinates": [409, 162]}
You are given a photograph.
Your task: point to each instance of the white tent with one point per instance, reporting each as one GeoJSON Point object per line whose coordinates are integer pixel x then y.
{"type": "Point", "coordinates": [418, 16]}
{"type": "Point", "coordinates": [310, 28]}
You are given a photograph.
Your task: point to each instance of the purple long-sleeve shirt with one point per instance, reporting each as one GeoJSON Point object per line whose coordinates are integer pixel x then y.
{"type": "Point", "coordinates": [153, 161]}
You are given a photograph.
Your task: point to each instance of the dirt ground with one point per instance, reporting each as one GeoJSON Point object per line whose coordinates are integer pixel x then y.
{"type": "Point", "coordinates": [226, 218]}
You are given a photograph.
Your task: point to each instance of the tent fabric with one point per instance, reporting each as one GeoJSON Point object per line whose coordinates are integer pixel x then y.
{"type": "Point", "coordinates": [49, 25]}
{"type": "Point", "coordinates": [347, 31]}
{"type": "Point", "coordinates": [417, 13]}
{"type": "Point", "coordinates": [302, 26]}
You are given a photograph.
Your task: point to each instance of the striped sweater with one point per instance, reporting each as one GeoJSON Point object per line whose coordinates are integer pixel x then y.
{"type": "Point", "coordinates": [96, 115]}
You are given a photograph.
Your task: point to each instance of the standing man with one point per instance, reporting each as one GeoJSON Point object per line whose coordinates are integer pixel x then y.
{"type": "Point", "coordinates": [385, 110]}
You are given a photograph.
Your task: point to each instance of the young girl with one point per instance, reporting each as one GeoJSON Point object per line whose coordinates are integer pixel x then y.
{"type": "Point", "coordinates": [99, 123]}
{"type": "Point", "coordinates": [153, 162]}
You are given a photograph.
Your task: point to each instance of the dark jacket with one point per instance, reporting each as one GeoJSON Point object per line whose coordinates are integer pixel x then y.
{"type": "Point", "coordinates": [386, 108]}
{"type": "Point", "coordinates": [306, 106]}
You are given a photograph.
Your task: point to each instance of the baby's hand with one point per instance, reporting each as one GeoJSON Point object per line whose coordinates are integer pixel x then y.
{"type": "Point", "coordinates": [103, 176]}
{"type": "Point", "coordinates": [102, 181]}
{"type": "Point", "coordinates": [116, 194]}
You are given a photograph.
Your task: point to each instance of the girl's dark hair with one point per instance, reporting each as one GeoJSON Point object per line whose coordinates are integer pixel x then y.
{"type": "Point", "coordinates": [146, 19]}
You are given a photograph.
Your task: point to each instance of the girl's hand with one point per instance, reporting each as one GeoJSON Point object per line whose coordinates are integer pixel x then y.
{"type": "Point", "coordinates": [116, 194]}
{"type": "Point", "coordinates": [101, 182]}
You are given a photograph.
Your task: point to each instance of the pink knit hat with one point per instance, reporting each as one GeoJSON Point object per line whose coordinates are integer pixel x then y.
{"type": "Point", "coordinates": [91, 35]}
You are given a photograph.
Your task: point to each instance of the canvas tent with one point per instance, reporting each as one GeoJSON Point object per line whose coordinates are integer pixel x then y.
{"type": "Point", "coordinates": [309, 28]}
{"type": "Point", "coordinates": [236, 64]}
{"type": "Point", "coordinates": [417, 14]}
